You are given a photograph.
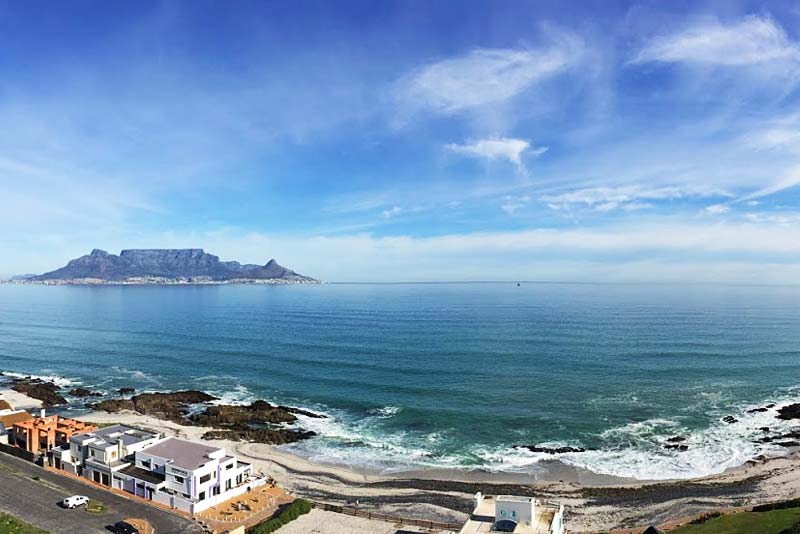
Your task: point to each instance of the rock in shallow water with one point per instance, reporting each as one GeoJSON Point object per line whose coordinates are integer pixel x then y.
{"type": "Point", "coordinates": [172, 406]}
{"type": "Point", "coordinates": [551, 450]}
{"type": "Point", "coordinates": [272, 436]}
{"type": "Point", "coordinates": [84, 392]}
{"type": "Point", "coordinates": [789, 412]}
{"type": "Point", "coordinates": [229, 421]}
{"type": "Point", "coordinates": [36, 388]}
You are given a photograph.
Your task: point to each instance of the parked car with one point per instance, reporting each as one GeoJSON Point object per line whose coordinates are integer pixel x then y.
{"type": "Point", "coordinates": [75, 501]}
{"type": "Point", "coordinates": [123, 527]}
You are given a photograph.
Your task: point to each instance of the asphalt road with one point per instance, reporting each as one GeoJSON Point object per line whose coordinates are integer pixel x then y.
{"type": "Point", "coordinates": [36, 501]}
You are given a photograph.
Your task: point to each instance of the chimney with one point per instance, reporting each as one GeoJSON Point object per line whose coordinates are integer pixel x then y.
{"type": "Point", "coordinates": [41, 414]}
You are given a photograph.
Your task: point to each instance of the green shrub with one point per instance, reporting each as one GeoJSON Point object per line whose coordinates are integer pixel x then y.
{"type": "Point", "coordinates": [785, 505]}
{"type": "Point", "coordinates": [705, 517]}
{"type": "Point", "coordinates": [287, 514]}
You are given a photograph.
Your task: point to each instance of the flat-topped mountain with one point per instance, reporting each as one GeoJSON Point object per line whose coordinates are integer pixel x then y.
{"type": "Point", "coordinates": [192, 264]}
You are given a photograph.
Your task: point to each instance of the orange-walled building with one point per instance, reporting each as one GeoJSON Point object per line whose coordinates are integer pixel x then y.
{"type": "Point", "coordinates": [40, 434]}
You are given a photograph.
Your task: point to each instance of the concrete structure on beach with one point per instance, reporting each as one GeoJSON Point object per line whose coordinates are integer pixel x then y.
{"type": "Point", "coordinates": [509, 513]}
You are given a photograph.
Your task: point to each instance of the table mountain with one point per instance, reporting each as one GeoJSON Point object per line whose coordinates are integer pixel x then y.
{"type": "Point", "coordinates": [192, 263]}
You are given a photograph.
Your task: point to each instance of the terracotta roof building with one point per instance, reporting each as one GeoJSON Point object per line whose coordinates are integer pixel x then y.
{"type": "Point", "coordinates": [41, 434]}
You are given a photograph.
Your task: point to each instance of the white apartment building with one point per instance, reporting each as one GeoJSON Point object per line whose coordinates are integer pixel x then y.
{"type": "Point", "coordinates": [187, 475]}
{"type": "Point", "coordinates": [100, 454]}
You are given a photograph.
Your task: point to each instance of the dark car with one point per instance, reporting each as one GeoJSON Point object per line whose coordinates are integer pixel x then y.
{"type": "Point", "coordinates": [122, 527]}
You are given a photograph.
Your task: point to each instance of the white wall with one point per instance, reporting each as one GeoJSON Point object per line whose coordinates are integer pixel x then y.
{"type": "Point", "coordinates": [519, 511]}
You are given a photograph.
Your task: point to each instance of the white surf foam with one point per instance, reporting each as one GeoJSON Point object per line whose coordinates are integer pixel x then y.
{"type": "Point", "coordinates": [238, 395]}
{"type": "Point", "coordinates": [58, 380]}
{"type": "Point", "coordinates": [637, 450]}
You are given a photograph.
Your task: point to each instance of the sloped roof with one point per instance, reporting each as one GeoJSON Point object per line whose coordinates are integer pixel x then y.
{"type": "Point", "coordinates": [4, 405]}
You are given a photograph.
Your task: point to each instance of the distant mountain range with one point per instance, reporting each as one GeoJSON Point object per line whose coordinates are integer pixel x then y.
{"type": "Point", "coordinates": [166, 266]}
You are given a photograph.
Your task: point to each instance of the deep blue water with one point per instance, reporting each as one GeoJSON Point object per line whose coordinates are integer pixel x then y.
{"type": "Point", "coordinates": [444, 374]}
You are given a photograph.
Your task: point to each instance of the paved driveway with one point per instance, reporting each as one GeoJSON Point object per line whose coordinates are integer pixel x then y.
{"type": "Point", "coordinates": [36, 501]}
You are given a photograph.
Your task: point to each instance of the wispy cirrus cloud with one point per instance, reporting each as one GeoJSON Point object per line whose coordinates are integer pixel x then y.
{"type": "Point", "coordinates": [629, 198]}
{"type": "Point", "coordinates": [486, 75]}
{"type": "Point", "coordinates": [751, 41]}
{"type": "Point", "coordinates": [789, 180]}
{"type": "Point", "coordinates": [511, 203]}
{"type": "Point", "coordinates": [497, 148]}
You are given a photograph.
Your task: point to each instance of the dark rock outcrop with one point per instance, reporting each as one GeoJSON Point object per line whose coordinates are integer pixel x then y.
{"type": "Point", "coordinates": [551, 450]}
{"type": "Point", "coordinates": [260, 421]}
{"type": "Point", "coordinates": [793, 435]}
{"type": "Point", "coordinates": [272, 436]}
{"type": "Point", "coordinates": [676, 447]}
{"type": "Point", "coordinates": [729, 419]}
{"type": "Point", "coordinates": [126, 391]}
{"type": "Point", "coordinates": [167, 264]}
{"type": "Point", "coordinates": [789, 412]}
{"type": "Point", "coordinates": [36, 388]}
{"type": "Point", "coordinates": [84, 392]}
{"type": "Point", "coordinates": [258, 413]}
{"type": "Point", "coordinates": [676, 439]}
{"type": "Point", "coordinates": [172, 406]}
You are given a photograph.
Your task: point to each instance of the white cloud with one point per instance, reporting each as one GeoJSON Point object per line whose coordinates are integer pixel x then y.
{"type": "Point", "coordinates": [392, 212]}
{"type": "Point", "coordinates": [751, 41]}
{"type": "Point", "coordinates": [512, 204]}
{"type": "Point", "coordinates": [780, 218]}
{"type": "Point", "coordinates": [716, 209]}
{"type": "Point", "coordinates": [790, 179]}
{"type": "Point", "coordinates": [628, 198]}
{"type": "Point", "coordinates": [494, 148]}
{"type": "Point", "coordinates": [485, 76]}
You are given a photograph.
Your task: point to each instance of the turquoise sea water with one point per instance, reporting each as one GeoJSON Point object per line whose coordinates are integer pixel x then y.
{"type": "Point", "coordinates": [445, 375]}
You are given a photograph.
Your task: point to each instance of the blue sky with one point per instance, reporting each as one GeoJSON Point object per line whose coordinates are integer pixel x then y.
{"type": "Point", "coordinates": [404, 141]}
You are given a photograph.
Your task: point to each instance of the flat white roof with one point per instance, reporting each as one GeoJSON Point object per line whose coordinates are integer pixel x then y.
{"type": "Point", "coordinates": [186, 454]}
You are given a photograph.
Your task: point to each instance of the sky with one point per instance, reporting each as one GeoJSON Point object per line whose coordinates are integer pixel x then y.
{"type": "Point", "coordinates": [407, 141]}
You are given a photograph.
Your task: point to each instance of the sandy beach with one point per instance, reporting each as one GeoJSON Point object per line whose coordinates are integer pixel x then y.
{"type": "Point", "coordinates": [595, 503]}
{"type": "Point", "coordinates": [19, 401]}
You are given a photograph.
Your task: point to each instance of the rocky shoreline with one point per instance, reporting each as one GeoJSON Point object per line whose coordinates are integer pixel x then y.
{"type": "Point", "coordinates": [595, 503]}
{"type": "Point", "coordinates": [258, 422]}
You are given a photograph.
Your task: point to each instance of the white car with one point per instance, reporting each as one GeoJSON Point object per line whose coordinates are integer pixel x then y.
{"type": "Point", "coordinates": [75, 501]}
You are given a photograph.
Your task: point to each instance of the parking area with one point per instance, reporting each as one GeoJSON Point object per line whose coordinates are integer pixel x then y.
{"type": "Point", "coordinates": [32, 494]}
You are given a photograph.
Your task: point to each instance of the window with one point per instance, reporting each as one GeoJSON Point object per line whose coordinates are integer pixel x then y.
{"type": "Point", "coordinates": [205, 478]}
{"type": "Point", "coordinates": [146, 464]}
{"type": "Point", "coordinates": [229, 466]}
{"type": "Point", "coordinates": [202, 495]}
{"type": "Point", "coordinates": [179, 480]}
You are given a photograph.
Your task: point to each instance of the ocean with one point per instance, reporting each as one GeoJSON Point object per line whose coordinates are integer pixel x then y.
{"type": "Point", "coordinates": [445, 375]}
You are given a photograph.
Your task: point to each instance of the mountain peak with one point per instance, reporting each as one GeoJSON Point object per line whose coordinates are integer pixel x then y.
{"type": "Point", "coordinates": [168, 264]}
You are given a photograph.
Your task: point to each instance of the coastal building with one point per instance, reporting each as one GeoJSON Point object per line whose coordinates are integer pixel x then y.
{"type": "Point", "coordinates": [509, 513]}
{"type": "Point", "coordinates": [186, 475]}
{"type": "Point", "coordinates": [40, 434]}
{"type": "Point", "coordinates": [8, 417]}
{"type": "Point", "coordinates": [97, 455]}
